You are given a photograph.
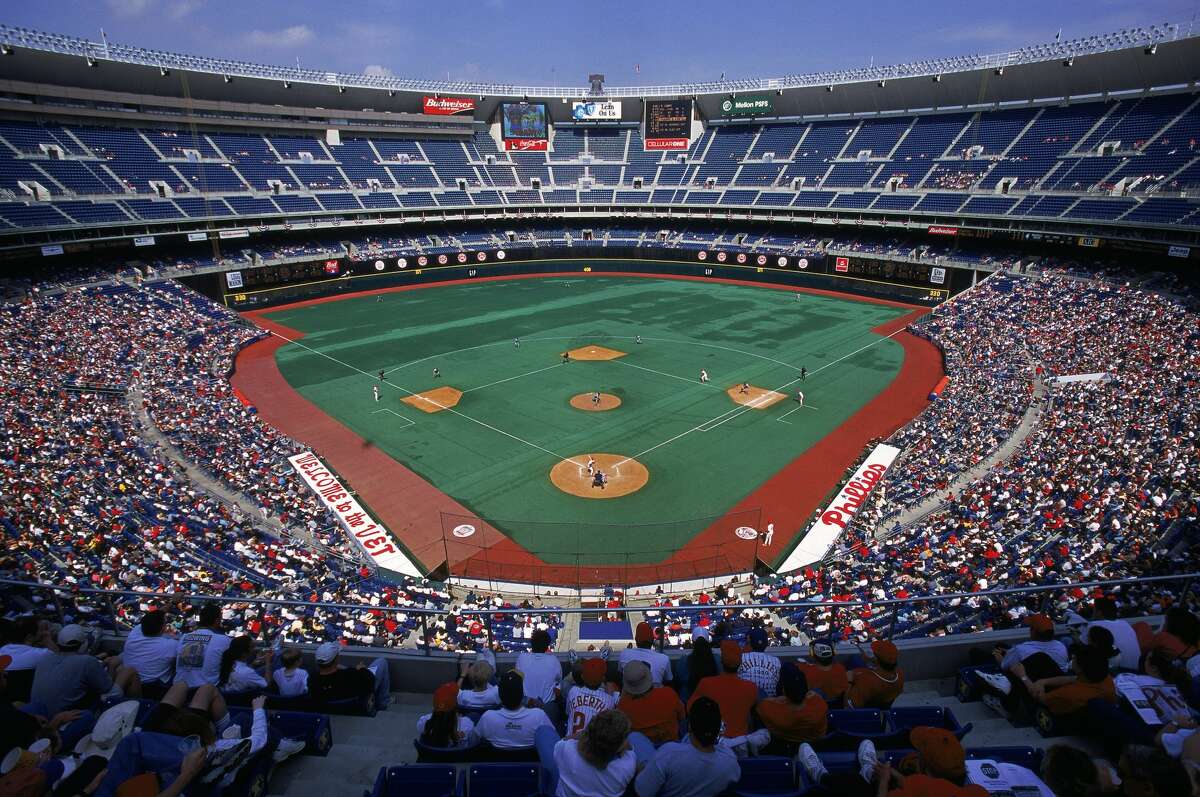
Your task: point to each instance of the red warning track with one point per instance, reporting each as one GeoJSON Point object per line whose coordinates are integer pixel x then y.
{"type": "Point", "coordinates": [412, 508]}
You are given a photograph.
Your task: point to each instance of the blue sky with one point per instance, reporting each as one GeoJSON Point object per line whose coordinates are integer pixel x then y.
{"type": "Point", "coordinates": [560, 42]}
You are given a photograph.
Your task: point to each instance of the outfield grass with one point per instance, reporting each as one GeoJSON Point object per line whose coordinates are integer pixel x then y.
{"type": "Point", "coordinates": [493, 453]}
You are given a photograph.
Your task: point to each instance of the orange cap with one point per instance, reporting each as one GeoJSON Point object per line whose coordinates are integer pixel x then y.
{"type": "Point", "coordinates": [644, 633]}
{"type": "Point", "coordinates": [885, 652]}
{"type": "Point", "coordinates": [941, 752]}
{"type": "Point", "coordinates": [445, 697]}
{"type": "Point", "coordinates": [731, 654]}
{"type": "Point", "coordinates": [1039, 623]}
{"type": "Point", "coordinates": [594, 671]}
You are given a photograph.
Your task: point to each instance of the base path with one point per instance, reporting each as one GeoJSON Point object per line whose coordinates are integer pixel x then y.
{"type": "Point", "coordinates": [756, 398]}
{"type": "Point", "coordinates": [586, 402]}
{"type": "Point", "coordinates": [625, 476]}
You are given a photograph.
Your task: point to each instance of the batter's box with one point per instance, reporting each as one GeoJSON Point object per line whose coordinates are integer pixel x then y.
{"type": "Point", "coordinates": [756, 398]}
{"type": "Point", "coordinates": [407, 421]}
{"type": "Point", "coordinates": [590, 352]}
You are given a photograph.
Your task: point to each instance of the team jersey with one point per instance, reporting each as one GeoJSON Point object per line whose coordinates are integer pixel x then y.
{"type": "Point", "coordinates": [583, 704]}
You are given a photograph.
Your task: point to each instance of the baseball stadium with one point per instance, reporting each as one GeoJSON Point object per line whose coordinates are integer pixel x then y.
{"type": "Point", "coordinates": [368, 434]}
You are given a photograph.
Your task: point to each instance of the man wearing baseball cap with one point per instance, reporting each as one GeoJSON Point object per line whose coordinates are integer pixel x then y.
{"type": "Point", "coordinates": [878, 685]}
{"type": "Point", "coordinates": [735, 696]}
{"type": "Point", "coordinates": [759, 667]}
{"type": "Point", "coordinates": [659, 664]}
{"type": "Point", "coordinates": [699, 766]}
{"type": "Point", "coordinates": [70, 678]}
{"type": "Point", "coordinates": [941, 769]}
{"type": "Point", "coordinates": [335, 682]}
{"type": "Point", "coordinates": [825, 674]}
{"type": "Point", "coordinates": [513, 725]}
{"type": "Point", "coordinates": [655, 711]}
{"type": "Point", "coordinates": [590, 697]}
{"type": "Point", "coordinates": [798, 715]}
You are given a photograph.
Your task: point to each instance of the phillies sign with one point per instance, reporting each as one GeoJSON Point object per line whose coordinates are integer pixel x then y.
{"type": "Point", "coordinates": [447, 106]}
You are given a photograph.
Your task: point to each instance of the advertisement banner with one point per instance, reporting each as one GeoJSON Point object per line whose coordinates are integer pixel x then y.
{"type": "Point", "coordinates": [233, 279]}
{"type": "Point", "coordinates": [374, 540]}
{"type": "Point", "coordinates": [447, 106]}
{"type": "Point", "coordinates": [526, 144]}
{"type": "Point", "coordinates": [937, 276]}
{"type": "Point", "coordinates": [144, 240]}
{"type": "Point", "coordinates": [1179, 251]}
{"type": "Point", "coordinates": [659, 144]}
{"type": "Point", "coordinates": [841, 264]}
{"type": "Point", "coordinates": [938, 230]}
{"type": "Point", "coordinates": [331, 267]}
{"type": "Point", "coordinates": [829, 526]}
{"type": "Point", "coordinates": [595, 111]}
{"type": "Point", "coordinates": [226, 234]}
{"type": "Point", "coordinates": [197, 236]}
{"type": "Point", "coordinates": [753, 105]}
{"type": "Point", "coordinates": [51, 250]}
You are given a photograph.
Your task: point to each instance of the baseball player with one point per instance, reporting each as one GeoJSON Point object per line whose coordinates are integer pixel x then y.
{"type": "Point", "coordinates": [382, 375]}
{"type": "Point", "coordinates": [745, 388]}
{"type": "Point", "coordinates": [596, 399]}
{"type": "Point", "coordinates": [803, 373]}
{"type": "Point", "coordinates": [516, 343]}
{"type": "Point", "coordinates": [591, 466]}
{"type": "Point", "coordinates": [798, 298]}
{"type": "Point", "coordinates": [800, 398]}
{"type": "Point", "coordinates": [566, 357]}
{"type": "Point", "coordinates": [598, 480]}
{"type": "Point", "coordinates": [770, 535]}
{"type": "Point", "coordinates": [638, 340]}
{"type": "Point", "coordinates": [375, 390]}
{"type": "Point", "coordinates": [379, 298]}
{"type": "Point", "coordinates": [703, 375]}
{"type": "Point", "coordinates": [436, 373]}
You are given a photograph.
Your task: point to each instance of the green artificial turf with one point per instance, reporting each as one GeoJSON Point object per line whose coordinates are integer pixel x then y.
{"type": "Point", "coordinates": [494, 453]}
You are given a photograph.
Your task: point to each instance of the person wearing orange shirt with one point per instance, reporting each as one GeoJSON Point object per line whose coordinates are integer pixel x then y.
{"type": "Point", "coordinates": [735, 696]}
{"type": "Point", "coordinates": [940, 768]}
{"type": "Point", "coordinates": [1068, 694]}
{"type": "Point", "coordinates": [799, 715]}
{"type": "Point", "coordinates": [880, 685]}
{"type": "Point", "coordinates": [825, 675]}
{"type": "Point", "coordinates": [655, 711]}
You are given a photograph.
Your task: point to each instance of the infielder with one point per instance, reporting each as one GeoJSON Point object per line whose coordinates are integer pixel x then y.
{"type": "Point", "coordinates": [566, 357]}
{"type": "Point", "coordinates": [516, 343]}
{"type": "Point", "coordinates": [638, 340]}
{"type": "Point", "coordinates": [703, 375]}
{"type": "Point", "coordinates": [745, 388]}
{"type": "Point", "coordinates": [800, 398]}
{"type": "Point", "coordinates": [436, 373]}
{"type": "Point", "coordinates": [803, 373]}
{"type": "Point", "coordinates": [375, 390]}
{"type": "Point", "coordinates": [596, 399]}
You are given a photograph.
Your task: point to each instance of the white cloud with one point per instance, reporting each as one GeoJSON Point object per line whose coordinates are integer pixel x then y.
{"type": "Point", "coordinates": [292, 36]}
{"type": "Point", "coordinates": [378, 70]}
{"type": "Point", "coordinates": [182, 8]}
{"type": "Point", "coordinates": [130, 8]}
{"type": "Point", "coordinates": [985, 32]}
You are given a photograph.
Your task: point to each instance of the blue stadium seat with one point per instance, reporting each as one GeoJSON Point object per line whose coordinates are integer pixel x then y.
{"type": "Point", "coordinates": [415, 780]}
{"type": "Point", "coordinates": [500, 780]}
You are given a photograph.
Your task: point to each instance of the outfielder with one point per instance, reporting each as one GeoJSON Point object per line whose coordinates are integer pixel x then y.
{"type": "Point", "coordinates": [375, 390]}
{"type": "Point", "coordinates": [703, 375]}
{"type": "Point", "coordinates": [436, 373]}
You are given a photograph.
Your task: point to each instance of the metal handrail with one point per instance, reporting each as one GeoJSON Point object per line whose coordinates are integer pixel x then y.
{"type": "Point", "coordinates": [1144, 35]}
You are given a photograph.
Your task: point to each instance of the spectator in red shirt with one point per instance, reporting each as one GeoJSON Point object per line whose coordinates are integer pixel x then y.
{"type": "Point", "coordinates": [878, 686]}
{"type": "Point", "coordinates": [825, 675]}
{"type": "Point", "coordinates": [655, 711]}
{"type": "Point", "coordinates": [735, 696]}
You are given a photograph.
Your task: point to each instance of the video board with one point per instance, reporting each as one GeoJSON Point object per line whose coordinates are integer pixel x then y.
{"type": "Point", "coordinates": [523, 125]}
{"type": "Point", "coordinates": [667, 125]}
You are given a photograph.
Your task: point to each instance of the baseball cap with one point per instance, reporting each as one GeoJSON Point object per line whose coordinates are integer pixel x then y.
{"type": "Point", "coordinates": [1039, 624]}
{"type": "Point", "coordinates": [822, 652]}
{"type": "Point", "coordinates": [731, 654]}
{"type": "Point", "coordinates": [636, 680]}
{"type": "Point", "coordinates": [594, 671]}
{"type": "Point", "coordinates": [327, 652]}
{"type": "Point", "coordinates": [72, 636]}
{"type": "Point", "coordinates": [701, 632]}
{"type": "Point", "coordinates": [885, 652]}
{"type": "Point", "coordinates": [114, 725]}
{"type": "Point", "coordinates": [511, 687]}
{"type": "Point", "coordinates": [941, 752]}
{"type": "Point", "coordinates": [445, 697]}
{"type": "Point", "coordinates": [758, 638]}
{"type": "Point", "coordinates": [644, 633]}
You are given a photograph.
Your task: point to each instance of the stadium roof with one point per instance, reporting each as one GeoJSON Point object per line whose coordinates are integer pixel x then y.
{"type": "Point", "coordinates": [1061, 50]}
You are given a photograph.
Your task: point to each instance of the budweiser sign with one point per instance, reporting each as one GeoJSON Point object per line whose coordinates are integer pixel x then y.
{"type": "Point", "coordinates": [824, 533]}
{"type": "Point", "coordinates": [447, 106]}
{"type": "Point", "coordinates": [935, 230]}
{"type": "Point", "coordinates": [374, 540]}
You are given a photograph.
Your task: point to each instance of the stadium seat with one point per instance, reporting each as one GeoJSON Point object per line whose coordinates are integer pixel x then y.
{"type": "Point", "coordinates": [500, 780]}
{"type": "Point", "coordinates": [415, 780]}
{"type": "Point", "coordinates": [767, 775]}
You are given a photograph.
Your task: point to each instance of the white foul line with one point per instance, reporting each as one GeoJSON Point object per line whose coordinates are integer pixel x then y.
{"type": "Point", "coordinates": [511, 378]}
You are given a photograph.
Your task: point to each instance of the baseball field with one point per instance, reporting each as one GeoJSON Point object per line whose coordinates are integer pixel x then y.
{"type": "Point", "coordinates": [504, 399]}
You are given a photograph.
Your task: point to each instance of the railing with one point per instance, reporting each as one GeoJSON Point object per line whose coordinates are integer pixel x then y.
{"type": "Point", "coordinates": [1146, 35]}
{"type": "Point", "coordinates": [891, 607]}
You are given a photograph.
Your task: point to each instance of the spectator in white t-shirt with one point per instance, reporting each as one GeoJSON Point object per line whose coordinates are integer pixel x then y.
{"type": "Point", "coordinates": [152, 654]}
{"type": "Point", "coordinates": [660, 665]}
{"type": "Point", "coordinates": [26, 641]}
{"type": "Point", "coordinates": [291, 679]}
{"type": "Point", "coordinates": [600, 763]}
{"type": "Point", "coordinates": [758, 667]}
{"type": "Point", "coordinates": [199, 660]}
{"type": "Point", "coordinates": [1104, 615]}
{"type": "Point", "coordinates": [590, 698]}
{"type": "Point", "coordinates": [481, 694]}
{"type": "Point", "coordinates": [542, 673]}
{"type": "Point", "coordinates": [445, 727]}
{"type": "Point", "coordinates": [513, 725]}
{"type": "Point", "coordinates": [236, 673]}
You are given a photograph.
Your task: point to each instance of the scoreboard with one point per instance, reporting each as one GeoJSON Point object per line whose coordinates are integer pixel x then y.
{"type": "Point", "coordinates": [667, 125]}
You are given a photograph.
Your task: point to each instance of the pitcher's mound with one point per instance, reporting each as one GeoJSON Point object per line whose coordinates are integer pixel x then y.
{"type": "Point", "coordinates": [436, 400]}
{"type": "Point", "coordinates": [758, 398]}
{"type": "Point", "coordinates": [584, 402]}
{"type": "Point", "coordinates": [591, 352]}
{"type": "Point", "coordinates": [625, 476]}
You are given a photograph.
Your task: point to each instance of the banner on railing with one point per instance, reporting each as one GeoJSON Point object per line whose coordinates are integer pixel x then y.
{"type": "Point", "coordinates": [820, 538]}
{"type": "Point", "coordinates": [375, 541]}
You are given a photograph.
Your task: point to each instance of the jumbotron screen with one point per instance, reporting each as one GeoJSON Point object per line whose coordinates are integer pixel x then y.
{"type": "Point", "coordinates": [668, 118]}
{"type": "Point", "coordinates": [523, 120]}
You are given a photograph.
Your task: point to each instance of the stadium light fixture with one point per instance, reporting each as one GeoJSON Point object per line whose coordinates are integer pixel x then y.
{"type": "Point", "coordinates": [882, 83]}
{"type": "Point", "coordinates": [91, 61]}
{"type": "Point", "coordinates": [1070, 60]}
{"type": "Point", "coordinates": [6, 49]}
{"type": "Point", "coordinates": [937, 78]}
{"type": "Point", "coordinates": [1152, 49]}
{"type": "Point", "coordinates": [228, 78]}
{"type": "Point", "coordinates": [163, 71]}
{"type": "Point", "coordinates": [999, 71]}
{"type": "Point", "coordinates": [287, 84]}
{"type": "Point", "coordinates": [829, 88]}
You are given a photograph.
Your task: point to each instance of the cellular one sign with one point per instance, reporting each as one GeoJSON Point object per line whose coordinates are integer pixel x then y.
{"type": "Point", "coordinates": [374, 540]}
{"type": "Point", "coordinates": [833, 521]}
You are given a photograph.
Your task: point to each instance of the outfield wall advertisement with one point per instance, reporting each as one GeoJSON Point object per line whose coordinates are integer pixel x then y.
{"type": "Point", "coordinates": [596, 111]}
{"type": "Point", "coordinates": [819, 540]}
{"type": "Point", "coordinates": [753, 105]}
{"type": "Point", "coordinates": [372, 538]}
{"type": "Point", "coordinates": [447, 106]}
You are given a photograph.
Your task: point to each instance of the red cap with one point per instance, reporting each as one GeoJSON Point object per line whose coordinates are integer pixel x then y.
{"type": "Point", "coordinates": [731, 654]}
{"type": "Point", "coordinates": [942, 754]}
{"type": "Point", "coordinates": [594, 671]}
{"type": "Point", "coordinates": [885, 652]}
{"type": "Point", "coordinates": [1039, 624]}
{"type": "Point", "coordinates": [445, 697]}
{"type": "Point", "coordinates": [644, 633]}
